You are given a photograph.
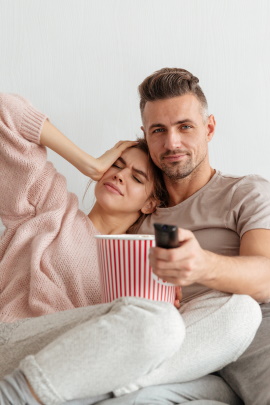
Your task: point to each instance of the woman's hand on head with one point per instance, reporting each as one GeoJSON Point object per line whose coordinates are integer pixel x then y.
{"type": "Point", "coordinates": [92, 167]}
{"type": "Point", "coordinates": [105, 161]}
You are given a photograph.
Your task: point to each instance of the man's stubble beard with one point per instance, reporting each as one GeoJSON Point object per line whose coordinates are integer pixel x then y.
{"type": "Point", "coordinates": [175, 171]}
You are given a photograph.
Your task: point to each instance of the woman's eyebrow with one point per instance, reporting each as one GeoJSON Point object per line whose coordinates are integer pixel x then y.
{"type": "Point", "coordinates": [135, 170]}
{"type": "Point", "coordinates": [141, 172]}
{"type": "Point", "coordinates": [122, 160]}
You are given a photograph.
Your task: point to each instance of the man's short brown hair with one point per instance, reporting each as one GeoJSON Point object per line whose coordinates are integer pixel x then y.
{"type": "Point", "coordinates": [170, 82]}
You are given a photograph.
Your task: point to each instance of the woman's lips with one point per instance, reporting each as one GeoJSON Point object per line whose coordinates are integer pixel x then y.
{"type": "Point", "coordinates": [112, 188]}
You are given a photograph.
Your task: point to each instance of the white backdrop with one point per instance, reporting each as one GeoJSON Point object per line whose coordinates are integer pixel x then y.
{"type": "Point", "coordinates": [80, 61]}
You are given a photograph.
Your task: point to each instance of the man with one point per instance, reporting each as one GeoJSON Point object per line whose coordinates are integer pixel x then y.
{"type": "Point", "coordinates": [190, 263]}
{"type": "Point", "coordinates": [224, 220]}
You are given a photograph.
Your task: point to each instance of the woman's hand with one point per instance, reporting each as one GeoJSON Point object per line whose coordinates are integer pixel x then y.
{"type": "Point", "coordinates": [104, 162]}
{"type": "Point", "coordinates": [178, 297]}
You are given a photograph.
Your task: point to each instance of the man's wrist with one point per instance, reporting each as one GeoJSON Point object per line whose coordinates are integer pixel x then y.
{"type": "Point", "coordinates": [210, 267]}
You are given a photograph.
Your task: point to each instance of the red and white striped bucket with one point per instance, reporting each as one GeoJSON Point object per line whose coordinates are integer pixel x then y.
{"type": "Point", "coordinates": [125, 270]}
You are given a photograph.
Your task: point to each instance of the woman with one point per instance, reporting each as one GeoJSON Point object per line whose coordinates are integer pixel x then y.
{"type": "Point", "coordinates": [48, 259]}
{"type": "Point", "coordinates": [77, 353]}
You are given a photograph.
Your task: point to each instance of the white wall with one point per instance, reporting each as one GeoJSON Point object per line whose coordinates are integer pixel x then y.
{"type": "Point", "coordinates": [81, 61]}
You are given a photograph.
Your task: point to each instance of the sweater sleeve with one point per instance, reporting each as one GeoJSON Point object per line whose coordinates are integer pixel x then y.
{"type": "Point", "coordinates": [22, 158]}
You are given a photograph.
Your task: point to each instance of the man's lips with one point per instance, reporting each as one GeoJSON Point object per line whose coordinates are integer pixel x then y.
{"type": "Point", "coordinates": [173, 158]}
{"type": "Point", "coordinates": [112, 188]}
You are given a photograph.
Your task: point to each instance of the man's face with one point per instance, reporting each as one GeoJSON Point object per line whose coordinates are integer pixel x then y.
{"type": "Point", "coordinates": [177, 134]}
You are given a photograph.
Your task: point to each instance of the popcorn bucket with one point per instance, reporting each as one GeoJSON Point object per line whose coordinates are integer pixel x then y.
{"type": "Point", "coordinates": [125, 270]}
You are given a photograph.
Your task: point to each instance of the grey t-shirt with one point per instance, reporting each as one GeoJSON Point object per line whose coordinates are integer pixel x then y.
{"type": "Point", "coordinates": [219, 214]}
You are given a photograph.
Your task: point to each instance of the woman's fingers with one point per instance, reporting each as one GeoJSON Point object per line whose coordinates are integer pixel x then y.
{"type": "Point", "coordinates": [120, 146]}
{"type": "Point", "coordinates": [178, 296]}
{"type": "Point", "coordinates": [110, 156]}
{"type": "Point", "coordinates": [178, 293]}
{"type": "Point", "coordinates": [125, 144]}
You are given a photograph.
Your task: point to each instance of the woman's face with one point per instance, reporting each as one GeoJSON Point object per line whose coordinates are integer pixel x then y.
{"type": "Point", "coordinates": [127, 185]}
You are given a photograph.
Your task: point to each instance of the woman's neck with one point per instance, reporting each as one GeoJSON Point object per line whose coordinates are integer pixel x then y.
{"type": "Point", "coordinates": [108, 223]}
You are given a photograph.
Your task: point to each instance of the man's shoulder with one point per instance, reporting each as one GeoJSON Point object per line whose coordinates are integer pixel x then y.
{"type": "Point", "coordinates": [235, 178]}
{"type": "Point", "coordinates": [251, 191]}
{"type": "Point", "coordinates": [222, 196]}
{"type": "Point", "coordinates": [252, 181]}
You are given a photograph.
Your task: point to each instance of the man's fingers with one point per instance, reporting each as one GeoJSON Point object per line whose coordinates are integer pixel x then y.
{"type": "Point", "coordinates": [170, 273]}
{"type": "Point", "coordinates": [160, 265]}
{"type": "Point", "coordinates": [167, 255]}
{"type": "Point", "coordinates": [176, 279]}
{"type": "Point", "coordinates": [157, 253]}
{"type": "Point", "coordinates": [177, 265]}
{"type": "Point", "coordinates": [185, 235]}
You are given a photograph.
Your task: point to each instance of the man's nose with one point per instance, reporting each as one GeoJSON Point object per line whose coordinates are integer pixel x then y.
{"type": "Point", "coordinates": [172, 140]}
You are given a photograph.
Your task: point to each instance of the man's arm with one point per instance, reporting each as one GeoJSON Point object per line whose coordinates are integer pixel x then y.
{"type": "Point", "coordinates": [248, 273]}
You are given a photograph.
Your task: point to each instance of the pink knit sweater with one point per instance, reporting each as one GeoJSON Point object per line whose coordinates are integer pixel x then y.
{"type": "Point", "coordinates": [48, 259]}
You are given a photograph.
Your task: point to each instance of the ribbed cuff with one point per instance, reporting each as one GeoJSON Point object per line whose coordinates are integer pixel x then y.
{"type": "Point", "coordinates": [41, 385]}
{"type": "Point", "coordinates": [32, 123]}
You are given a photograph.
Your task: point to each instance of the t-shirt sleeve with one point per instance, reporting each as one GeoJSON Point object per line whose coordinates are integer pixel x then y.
{"type": "Point", "coordinates": [250, 204]}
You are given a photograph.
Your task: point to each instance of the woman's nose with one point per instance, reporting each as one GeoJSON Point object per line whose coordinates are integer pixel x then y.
{"type": "Point", "coordinates": [118, 177]}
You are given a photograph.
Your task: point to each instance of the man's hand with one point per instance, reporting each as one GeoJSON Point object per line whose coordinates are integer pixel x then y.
{"type": "Point", "coordinates": [181, 266]}
{"type": "Point", "coordinates": [247, 274]}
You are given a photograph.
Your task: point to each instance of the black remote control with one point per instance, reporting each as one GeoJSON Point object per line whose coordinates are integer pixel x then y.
{"type": "Point", "coordinates": [166, 236]}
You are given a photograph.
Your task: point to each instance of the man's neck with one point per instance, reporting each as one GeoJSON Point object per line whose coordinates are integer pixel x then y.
{"type": "Point", "coordinates": [109, 224]}
{"type": "Point", "coordinates": [181, 189]}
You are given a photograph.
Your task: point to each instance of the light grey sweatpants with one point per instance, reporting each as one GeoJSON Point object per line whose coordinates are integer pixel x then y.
{"type": "Point", "coordinates": [219, 328]}
{"type": "Point", "coordinates": [204, 391]}
{"type": "Point", "coordinates": [118, 343]}
{"type": "Point", "coordinates": [90, 345]}
{"type": "Point", "coordinates": [249, 376]}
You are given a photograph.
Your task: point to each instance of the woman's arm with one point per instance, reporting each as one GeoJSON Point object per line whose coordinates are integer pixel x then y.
{"type": "Point", "coordinates": [22, 159]}
{"type": "Point", "coordinates": [85, 163]}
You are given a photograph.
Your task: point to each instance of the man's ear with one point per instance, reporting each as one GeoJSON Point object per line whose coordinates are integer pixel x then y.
{"type": "Point", "coordinates": [211, 125]}
{"type": "Point", "coordinates": [150, 206]}
{"type": "Point", "coordinates": [144, 134]}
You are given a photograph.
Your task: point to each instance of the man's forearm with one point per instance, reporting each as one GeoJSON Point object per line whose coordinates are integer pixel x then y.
{"type": "Point", "coordinates": [240, 275]}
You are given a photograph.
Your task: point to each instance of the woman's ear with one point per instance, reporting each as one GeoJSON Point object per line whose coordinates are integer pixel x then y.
{"type": "Point", "coordinates": [150, 206]}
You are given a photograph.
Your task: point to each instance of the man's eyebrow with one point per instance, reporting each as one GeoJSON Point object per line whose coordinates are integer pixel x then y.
{"type": "Point", "coordinates": [158, 125]}
{"type": "Point", "coordinates": [135, 170]}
